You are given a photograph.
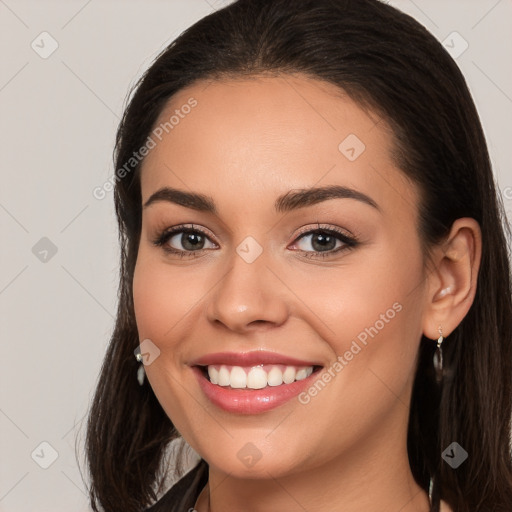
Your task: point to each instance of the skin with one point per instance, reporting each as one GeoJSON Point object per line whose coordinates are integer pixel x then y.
{"type": "Point", "coordinates": [248, 141]}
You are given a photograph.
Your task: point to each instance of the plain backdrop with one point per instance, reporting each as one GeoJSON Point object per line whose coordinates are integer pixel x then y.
{"type": "Point", "coordinates": [66, 68]}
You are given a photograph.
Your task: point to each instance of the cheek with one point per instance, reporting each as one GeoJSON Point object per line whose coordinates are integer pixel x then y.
{"type": "Point", "coordinates": [374, 315]}
{"type": "Point", "coordinates": [372, 294]}
{"type": "Point", "coordinates": [164, 302]}
{"type": "Point", "coordinates": [163, 296]}
{"type": "Point", "coordinates": [152, 301]}
{"type": "Point", "coordinates": [369, 313]}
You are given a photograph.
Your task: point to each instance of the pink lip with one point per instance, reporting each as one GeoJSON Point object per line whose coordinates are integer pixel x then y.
{"type": "Point", "coordinates": [250, 401]}
{"type": "Point", "coordinates": [254, 358]}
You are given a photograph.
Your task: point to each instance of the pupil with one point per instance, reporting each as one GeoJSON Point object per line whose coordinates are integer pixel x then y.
{"type": "Point", "coordinates": [191, 241]}
{"type": "Point", "coordinates": [323, 242]}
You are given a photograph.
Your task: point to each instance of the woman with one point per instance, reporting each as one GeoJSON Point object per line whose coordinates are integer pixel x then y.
{"type": "Point", "coordinates": [315, 288]}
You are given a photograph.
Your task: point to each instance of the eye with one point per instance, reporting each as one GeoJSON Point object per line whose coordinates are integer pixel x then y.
{"type": "Point", "coordinates": [190, 241]}
{"type": "Point", "coordinates": [324, 242]}
{"type": "Point", "coordinates": [181, 240]}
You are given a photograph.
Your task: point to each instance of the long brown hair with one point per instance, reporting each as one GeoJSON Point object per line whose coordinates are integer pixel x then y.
{"type": "Point", "coordinates": [389, 63]}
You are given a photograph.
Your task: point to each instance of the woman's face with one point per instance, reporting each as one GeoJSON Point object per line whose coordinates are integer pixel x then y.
{"type": "Point", "coordinates": [332, 283]}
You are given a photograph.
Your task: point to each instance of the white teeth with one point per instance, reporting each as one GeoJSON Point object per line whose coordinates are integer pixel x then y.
{"type": "Point", "coordinates": [275, 377]}
{"type": "Point", "coordinates": [289, 375]}
{"type": "Point", "coordinates": [238, 378]}
{"type": "Point", "coordinates": [301, 374]}
{"type": "Point", "coordinates": [223, 376]}
{"type": "Point", "coordinates": [257, 377]}
{"type": "Point", "coordinates": [213, 374]}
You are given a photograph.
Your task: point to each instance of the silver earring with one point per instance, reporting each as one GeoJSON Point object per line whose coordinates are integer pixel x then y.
{"type": "Point", "coordinates": [438, 358]}
{"type": "Point", "coordinates": [438, 368]}
{"type": "Point", "coordinates": [141, 373]}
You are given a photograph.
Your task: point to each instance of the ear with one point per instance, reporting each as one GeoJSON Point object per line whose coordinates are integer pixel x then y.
{"type": "Point", "coordinates": [452, 278]}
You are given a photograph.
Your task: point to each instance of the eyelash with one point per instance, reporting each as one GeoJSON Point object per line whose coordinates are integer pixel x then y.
{"type": "Point", "coordinates": [348, 241]}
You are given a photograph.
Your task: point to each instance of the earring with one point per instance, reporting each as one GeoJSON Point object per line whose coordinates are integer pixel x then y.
{"type": "Point", "coordinates": [438, 358]}
{"type": "Point", "coordinates": [433, 494]}
{"type": "Point", "coordinates": [141, 373]}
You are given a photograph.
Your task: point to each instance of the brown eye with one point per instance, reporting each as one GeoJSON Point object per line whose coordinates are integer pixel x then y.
{"type": "Point", "coordinates": [183, 240]}
{"type": "Point", "coordinates": [326, 241]}
{"type": "Point", "coordinates": [319, 242]}
{"type": "Point", "coordinates": [190, 241]}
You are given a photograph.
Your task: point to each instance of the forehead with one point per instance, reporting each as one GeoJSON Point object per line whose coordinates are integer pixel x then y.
{"type": "Point", "coordinates": [262, 136]}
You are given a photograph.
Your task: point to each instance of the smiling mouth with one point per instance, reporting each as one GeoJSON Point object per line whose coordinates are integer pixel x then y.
{"type": "Point", "coordinates": [255, 377]}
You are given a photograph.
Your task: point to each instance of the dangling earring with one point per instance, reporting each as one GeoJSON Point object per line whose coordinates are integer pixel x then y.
{"type": "Point", "coordinates": [438, 358]}
{"type": "Point", "coordinates": [433, 494]}
{"type": "Point", "coordinates": [433, 491]}
{"type": "Point", "coordinates": [141, 373]}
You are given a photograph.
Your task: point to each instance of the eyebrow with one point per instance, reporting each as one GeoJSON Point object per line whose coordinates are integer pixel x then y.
{"type": "Point", "coordinates": [292, 200]}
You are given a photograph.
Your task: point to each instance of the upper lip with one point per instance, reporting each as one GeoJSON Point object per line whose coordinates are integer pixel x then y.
{"type": "Point", "coordinates": [252, 358]}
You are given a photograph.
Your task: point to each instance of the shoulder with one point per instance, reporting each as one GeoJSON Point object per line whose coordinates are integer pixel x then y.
{"type": "Point", "coordinates": [183, 494]}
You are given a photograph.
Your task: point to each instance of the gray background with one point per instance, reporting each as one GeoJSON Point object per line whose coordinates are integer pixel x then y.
{"type": "Point", "coordinates": [59, 113]}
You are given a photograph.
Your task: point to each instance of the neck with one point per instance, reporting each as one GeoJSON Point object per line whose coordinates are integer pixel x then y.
{"type": "Point", "coordinates": [372, 479]}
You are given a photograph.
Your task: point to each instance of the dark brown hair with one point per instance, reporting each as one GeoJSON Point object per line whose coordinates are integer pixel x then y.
{"type": "Point", "coordinates": [390, 64]}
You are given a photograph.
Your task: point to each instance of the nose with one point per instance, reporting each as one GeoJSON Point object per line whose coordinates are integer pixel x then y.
{"type": "Point", "coordinates": [249, 297]}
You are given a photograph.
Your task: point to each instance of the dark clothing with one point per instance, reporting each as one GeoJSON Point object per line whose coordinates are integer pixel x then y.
{"type": "Point", "coordinates": [182, 496]}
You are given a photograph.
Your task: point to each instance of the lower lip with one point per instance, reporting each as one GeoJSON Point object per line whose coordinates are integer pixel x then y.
{"type": "Point", "coordinates": [251, 401]}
